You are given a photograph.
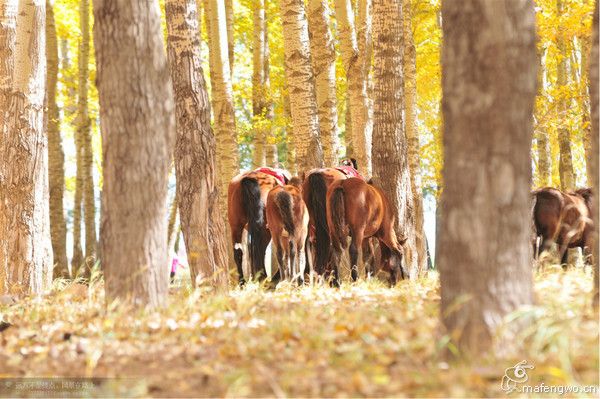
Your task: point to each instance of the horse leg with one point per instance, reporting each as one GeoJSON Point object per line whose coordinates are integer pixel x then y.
{"type": "Point", "coordinates": [368, 256]}
{"type": "Point", "coordinates": [355, 247]}
{"type": "Point", "coordinates": [238, 253]}
{"type": "Point", "coordinates": [292, 256]}
{"type": "Point", "coordinates": [332, 274]}
{"type": "Point", "coordinates": [261, 271]}
{"type": "Point", "coordinates": [279, 255]}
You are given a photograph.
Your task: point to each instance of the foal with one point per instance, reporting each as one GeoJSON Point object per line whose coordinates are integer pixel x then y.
{"type": "Point", "coordinates": [362, 210]}
{"type": "Point", "coordinates": [287, 219]}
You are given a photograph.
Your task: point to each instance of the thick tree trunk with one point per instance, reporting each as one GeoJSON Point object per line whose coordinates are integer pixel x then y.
{"type": "Point", "coordinates": [25, 243]}
{"type": "Point", "coordinates": [565, 165]}
{"type": "Point", "coordinates": [489, 84]}
{"type": "Point", "coordinates": [323, 63]}
{"type": "Point", "coordinates": [56, 156]}
{"type": "Point", "coordinates": [301, 85]}
{"type": "Point", "coordinates": [593, 87]}
{"type": "Point", "coordinates": [544, 170]}
{"type": "Point", "coordinates": [412, 136]}
{"type": "Point", "coordinates": [222, 97]}
{"type": "Point", "coordinates": [85, 135]}
{"type": "Point", "coordinates": [136, 114]}
{"type": "Point", "coordinates": [195, 150]}
{"type": "Point", "coordinates": [354, 64]}
{"type": "Point", "coordinates": [584, 102]}
{"type": "Point", "coordinates": [390, 162]}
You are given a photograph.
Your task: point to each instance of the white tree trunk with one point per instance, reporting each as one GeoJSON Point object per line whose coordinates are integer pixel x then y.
{"type": "Point", "coordinates": [136, 113]}
{"type": "Point", "coordinates": [489, 89]}
{"type": "Point", "coordinates": [25, 244]}
{"type": "Point", "coordinates": [195, 150]}
{"type": "Point", "coordinates": [354, 65]}
{"type": "Point", "coordinates": [323, 63]}
{"type": "Point", "coordinates": [301, 85]}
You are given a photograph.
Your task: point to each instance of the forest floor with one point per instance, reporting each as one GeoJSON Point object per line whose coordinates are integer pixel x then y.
{"type": "Point", "coordinates": [361, 340]}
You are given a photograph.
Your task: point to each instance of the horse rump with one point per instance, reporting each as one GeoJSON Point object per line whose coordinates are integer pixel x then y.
{"type": "Point", "coordinates": [255, 213]}
{"type": "Point", "coordinates": [317, 195]}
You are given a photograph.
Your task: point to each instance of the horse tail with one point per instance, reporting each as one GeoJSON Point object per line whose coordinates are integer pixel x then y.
{"type": "Point", "coordinates": [336, 218]}
{"type": "Point", "coordinates": [283, 201]}
{"type": "Point", "coordinates": [317, 194]}
{"type": "Point", "coordinates": [255, 213]}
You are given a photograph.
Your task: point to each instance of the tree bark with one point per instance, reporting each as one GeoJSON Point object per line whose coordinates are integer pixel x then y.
{"type": "Point", "coordinates": [543, 142]}
{"type": "Point", "coordinates": [261, 105]}
{"type": "Point", "coordinates": [565, 165]}
{"type": "Point", "coordinates": [301, 85]}
{"type": "Point", "coordinates": [25, 242]}
{"type": "Point", "coordinates": [195, 150]}
{"type": "Point", "coordinates": [136, 114]}
{"type": "Point", "coordinates": [584, 102]}
{"type": "Point", "coordinates": [354, 65]}
{"type": "Point", "coordinates": [390, 163]}
{"type": "Point", "coordinates": [172, 219]}
{"type": "Point", "coordinates": [289, 132]}
{"type": "Point", "coordinates": [323, 63]}
{"type": "Point", "coordinates": [56, 156]}
{"type": "Point", "coordinates": [412, 137]}
{"type": "Point", "coordinates": [85, 135]}
{"type": "Point", "coordinates": [489, 84]}
{"type": "Point", "coordinates": [222, 97]}
{"type": "Point", "coordinates": [230, 38]}
{"type": "Point", "coordinates": [593, 87]}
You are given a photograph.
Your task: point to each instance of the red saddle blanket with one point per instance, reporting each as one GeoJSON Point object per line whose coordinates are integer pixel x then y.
{"type": "Point", "coordinates": [349, 171]}
{"type": "Point", "coordinates": [276, 173]}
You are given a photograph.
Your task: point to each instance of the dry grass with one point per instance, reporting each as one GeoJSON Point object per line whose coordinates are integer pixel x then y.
{"type": "Point", "coordinates": [361, 340]}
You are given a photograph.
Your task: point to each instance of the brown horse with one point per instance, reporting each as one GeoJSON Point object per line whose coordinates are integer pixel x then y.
{"type": "Point", "coordinates": [362, 210]}
{"type": "Point", "coordinates": [564, 218]}
{"type": "Point", "coordinates": [314, 193]}
{"type": "Point", "coordinates": [246, 201]}
{"type": "Point", "coordinates": [287, 219]}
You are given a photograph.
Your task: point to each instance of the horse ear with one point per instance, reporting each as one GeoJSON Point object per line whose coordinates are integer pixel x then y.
{"type": "Point", "coordinates": [354, 163]}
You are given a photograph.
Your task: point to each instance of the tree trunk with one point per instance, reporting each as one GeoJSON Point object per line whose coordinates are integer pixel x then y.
{"type": "Point", "coordinates": [323, 63]}
{"type": "Point", "coordinates": [289, 132]}
{"type": "Point", "coordinates": [565, 165]}
{"type": "Point", "coordinates": [222, 97]}
{"type": "Point", "coordinates": [230, 38]}
{"type": "Point", "coordinates": [25, 243]}
{"type": "Point", "coordinates": [301, 85]}
{"type": "Point", "coordinates": [271, 156]}
{"type": "Point", "coordinates": [541, 134]}
{"type": "Point", "coordinates": [354, 65]}
{"type": "Point", "coordinates": [136, 114]}
{"type": "Point", "coordinates": [412, 136]}
{"type": "Point", "coordinates": [584, 101]}
{"type": "Point", "coordinates": [195, 150]}
{"type": "Point", "coordinates": [261, 107]}
{"type": "Point", "coordinates": [56, 156]}
{"type": "Point", "coordinates": [84, 134]}
{"type": "Point", "coordinates": [593, 87]}
{"type": "Point", "coordinates": [489, 84]}
{"type": "Point", "coordinates": [172, 219]}
{"type": "Point", "coordinates": [390, 163]}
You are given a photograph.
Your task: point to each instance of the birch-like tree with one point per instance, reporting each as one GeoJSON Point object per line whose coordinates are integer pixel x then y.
{"type": "Point", "coordinates": [595, 133]}
{"type": "Point", "coordinates": [301, 85]}
{"type": "Point", "coordinates": [195, 149]}
{"type": "Point", "coordinates": [409, 66]}
{"type": "Point", "coordinates": [84, 135]}
{"type": "Point", "coordinates": [541, 134]}
{"type": "Point", "coordinates": [565, 163]}
{"type": "Point", "coordinates": [355, 66]}
{"type": "Point", "coordinates": [25, 243]}
{"type": "Point", "coordinates": [390, 148]}
{"type": "Point", "coordinates": [137, 118]}
{"type": "Point", "coordinates": [489, 85]}
{"type": "Point", "coordinates": [56, 156]}
{"type": "Point", "coordinates": [323, 63]}
{"type": "Point", "coordinates": [222, 96]}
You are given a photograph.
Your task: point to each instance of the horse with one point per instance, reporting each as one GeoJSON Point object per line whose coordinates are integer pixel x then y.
{"type": "Point", "coordinates": [362, 210]}
{"type": "Point", "coordinates": [314, 192]}
{"type": "Point", "coordinates": [246, 200]}
{"type": "Point", "coordinates": [564, 218]}
{"type": "Point", "coordinates": [287, 219]}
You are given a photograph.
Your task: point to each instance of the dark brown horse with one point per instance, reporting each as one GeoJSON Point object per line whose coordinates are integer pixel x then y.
{"type": "Point", "coordinates": [287, 219]}
{"type": "Point", "coordinates": [564, 218]}
{"type": "Point", "coordinates": [246, 201]}
{"type": "Point", "coordinates": [362, 210]}
{"type": "Point", "coordinates": [314, 193]}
